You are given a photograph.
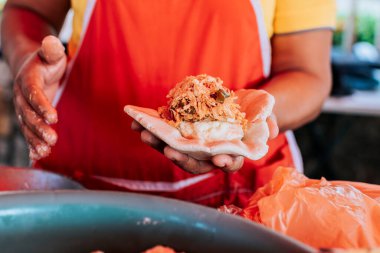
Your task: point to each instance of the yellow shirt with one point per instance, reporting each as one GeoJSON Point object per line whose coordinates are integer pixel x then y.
{"type": "Point", "coordinates": [288, 16]}
{"type": "Point", "coordinates": [280, 16]}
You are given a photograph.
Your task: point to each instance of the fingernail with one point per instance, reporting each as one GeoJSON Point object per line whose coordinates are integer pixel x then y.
{"type": "Point", "coordinates": [50, 118]}
{"type": "Point", "coordinates": [222, 165]}
{"type": "Point", "coordinates": [32, 155]}
{"type": "Point", "coordinates": [42, 150]}
{"type": "Point", "coordinates": [176, 156]}
{"type": "Point", "coordinates": [49, 138]}
{"type": "Point", "coordinates": [227, 163]}
{"type": "Point", "coordinates": [52, 49]}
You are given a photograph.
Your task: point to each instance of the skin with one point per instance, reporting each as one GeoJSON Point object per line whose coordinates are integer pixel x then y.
{"type": "Point", "coordinates": [37, 68]}
{"type": "Point", "coordinates": [300, 80]}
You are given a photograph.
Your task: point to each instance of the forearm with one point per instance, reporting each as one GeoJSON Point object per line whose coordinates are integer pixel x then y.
{"type": "Point", "coordinates": [22, 33]}
{"type": "Point", "coordinates": [39, 62]}
{"type": "Point", "coordinates": [300, 76]}
{"type": "Point", "coordinates": [25, 24]}
{"type": "Point", "coordinates": [299, 97]}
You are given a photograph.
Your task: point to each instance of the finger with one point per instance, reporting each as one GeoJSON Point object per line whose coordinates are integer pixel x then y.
{"type": "Point", "coordinates": [222, 160]}
{"type": "Point", "coordinates": [52, 53]}
{"type": "Point", "coordinates": [237, 163]}
{"type": "Point", "coordinates": [228, 163]}
{"type": "Point", "coordinates": [33, 94]}
{"type": "Point", "coordinates": [148, 138]}
{"type": "Point", "coordinates": [39, 146]}
{"type": "Point", "coordinates": [188, 163]}
{"type": "Point", "coordinates": [136, 126]}
{"type": "Point", "coordinates": [51, 50]}
{"type": "Point", "coordinates": [33, 121]}
{"type": "Point", "coordinates": [33, 155]}
{"type": "Point", "coordinates": [273, 127]}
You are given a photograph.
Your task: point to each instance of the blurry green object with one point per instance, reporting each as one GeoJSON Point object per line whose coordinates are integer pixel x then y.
{"type": "Point", "coordinates": [365, 29]}
{"type": "Point", "coordinates": [337, 38]}
{"type": "Point", "coordinates": [338, 33]}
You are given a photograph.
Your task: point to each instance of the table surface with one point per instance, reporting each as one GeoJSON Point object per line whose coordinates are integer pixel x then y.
{"type": "Point", "coordinates": [359, 103]}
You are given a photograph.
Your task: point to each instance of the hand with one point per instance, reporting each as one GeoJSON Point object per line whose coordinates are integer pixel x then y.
{"type": "Point", "coordinates": [226, 163]}
{"type": "Point", "coordinates": [254, 103]}
{"type": "Point", "coordinates": [35, 86]}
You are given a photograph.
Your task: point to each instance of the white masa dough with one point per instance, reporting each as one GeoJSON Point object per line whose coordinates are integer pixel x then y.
{"type": "Point", "coordinates": [211, 130]}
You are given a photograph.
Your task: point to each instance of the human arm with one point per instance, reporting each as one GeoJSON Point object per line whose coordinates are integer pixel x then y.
{"type": "Point", "coordinates": [36, 70]}
{"type": "Point", "coordinates": [300, 76]}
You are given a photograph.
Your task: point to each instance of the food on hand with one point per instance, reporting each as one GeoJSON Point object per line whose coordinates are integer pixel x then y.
{"type": "Point", "coordinates": [200, 107]}
{"type": "Point", "coordinates": [203, 119]}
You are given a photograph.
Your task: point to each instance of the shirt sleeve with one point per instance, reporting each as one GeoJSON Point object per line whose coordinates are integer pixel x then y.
{"type": "Point", "coordinates": [300, 15]}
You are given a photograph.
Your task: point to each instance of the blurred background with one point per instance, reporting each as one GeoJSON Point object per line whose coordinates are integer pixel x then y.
{"type": "Point", "coordinates": [342, 143]}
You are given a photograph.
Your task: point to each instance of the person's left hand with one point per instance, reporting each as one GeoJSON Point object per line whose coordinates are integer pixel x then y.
{"type": "Point", "coordinates": [250, 102]}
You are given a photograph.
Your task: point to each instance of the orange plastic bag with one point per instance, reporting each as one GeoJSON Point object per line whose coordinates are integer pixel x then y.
{"type": "Point", "coordinates": [319, 213]}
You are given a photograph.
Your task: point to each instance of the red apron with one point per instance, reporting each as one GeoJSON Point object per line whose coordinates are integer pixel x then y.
{"type": "Point", "coordinates": [134, 52]}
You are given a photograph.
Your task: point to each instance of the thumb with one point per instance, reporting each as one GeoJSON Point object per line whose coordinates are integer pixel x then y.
{"type": "Point", "coordinates": [273, 127]}
{"type": "Point", "coordinates": [51, 50]}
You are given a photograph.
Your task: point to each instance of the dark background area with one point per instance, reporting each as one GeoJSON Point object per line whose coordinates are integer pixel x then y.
{"type": "Point", "coordinates": [342, 147]}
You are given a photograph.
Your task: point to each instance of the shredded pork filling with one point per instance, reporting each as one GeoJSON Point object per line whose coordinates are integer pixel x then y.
{"type": "Point", "coordinates": [202, 98]}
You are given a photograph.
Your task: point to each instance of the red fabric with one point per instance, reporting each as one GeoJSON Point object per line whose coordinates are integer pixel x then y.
{"type": "Point", "coordinates": [133, 52]}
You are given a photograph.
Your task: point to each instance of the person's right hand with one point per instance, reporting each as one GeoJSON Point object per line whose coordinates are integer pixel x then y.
{"type": "Point", "coordinates": [35, 86]}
